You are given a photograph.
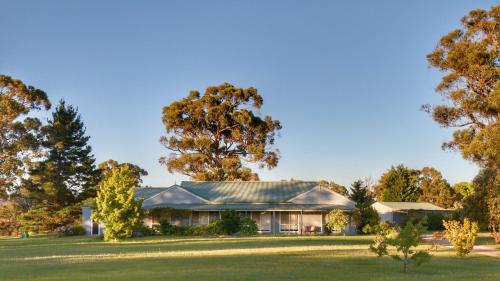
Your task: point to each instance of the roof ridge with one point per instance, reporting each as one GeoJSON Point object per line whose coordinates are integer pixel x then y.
{"type": "Point", "coordinates": [260, 181]}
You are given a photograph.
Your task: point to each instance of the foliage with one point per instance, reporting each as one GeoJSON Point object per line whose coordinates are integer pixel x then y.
{"type": "Point", "coordinates": [435, 189]}
{"type": "Point", "coordinates": [384, 231]}
{"type": "Point", "coordinates": [336, 221]}
{"type": "Point", "coordinates": [211, 135]}
{"type": "Point", "coordinates": [363, 198]}
{"type": "Point", "coordinates": [461, 236]}
{"type": "Point", "coordinates": [488, 183]}
{"type": "Point", "coordinates": [70, 230]}
{"type": "Point", "coordinates": [168, 229]}
{"type": "Point", "coordinates": [19, 134]}
{"type": "Point", "coordinates": [469, 57]}
{"type": "Point", "coordinates": [68, 173]}
{"type": "Point", "coordinates": [398, 184]}
{"type": "Point", "coordinates": [248, 226]}
{"type": "Point", "coordinates": [334, 187]}
{"type": "Point", "coordinates": [404, 241]}
{"type": "Point", "coordinates": [360, 193]}
{"type": "Point", "coordinates": [107, 166]}
{"type": "Point", "coordinates": [42, 219]}
{"type": "Point", "coordinates": [464, 189]}
{"type": "Point", "coordinates": [115, 203]}
{"type": "Point", "coordinates": [230, 222]}
{"type": "Point", "coordinates": [142, 230]}
{"type": "Point", "coordinates": [9, 213]}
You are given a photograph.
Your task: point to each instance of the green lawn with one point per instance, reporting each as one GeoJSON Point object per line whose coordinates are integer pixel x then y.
{"type": "Point", "coordinates": [254, 258]}
{"type": "Point", "coordinates": [486, 240]}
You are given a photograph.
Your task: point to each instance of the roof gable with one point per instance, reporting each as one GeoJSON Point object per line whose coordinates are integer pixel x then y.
{"type": "Point", "coordinates": [147, 192]}
{"type": "Point", "coordinates": [322, 195]}
{"type": "Point", "coordinates": [173, 195]}
{"type": "Point", "coordinates": [248, 191]}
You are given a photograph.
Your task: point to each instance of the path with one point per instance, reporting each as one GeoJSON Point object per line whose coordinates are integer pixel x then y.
{"type": "Point", "coordinates": [478, 249]}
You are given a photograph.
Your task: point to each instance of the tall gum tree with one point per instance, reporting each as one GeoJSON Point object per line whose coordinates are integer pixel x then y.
{"type": "Point", "coordinates": [19, 133]}
{"type": "Point", "coordinates": [469, 57]}
{"type": "Point", "coordinates": [213, 135]}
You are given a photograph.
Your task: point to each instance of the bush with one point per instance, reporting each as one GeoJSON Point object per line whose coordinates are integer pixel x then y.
{"type": "Point", "coordinates": [336, 221]}
{"type": "Point", "coordinates": [142, 230]}
{"type": "Point", "coordinates": [70, 230]}
{"type": "Point", "coordinates": [365, 216]}
{"type": "Point", "coordinates": [168, 229]}
{"type": "Point", "coordinates": [461, 236]}
{"type": "Point", "coordinates": [197, 230]}
{"type": "Point", "coordinates": [248, 226]}
{"type": "Point", "coordinates": [216, 227]}
{"type": "Point", "coordinates": [230, 222]}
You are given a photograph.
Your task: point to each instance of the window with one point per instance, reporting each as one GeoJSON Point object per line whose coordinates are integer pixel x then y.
{"type": "Point", "coordinates": [195, 218]}
{"type": "Point", "coordinates": [263, 220]}
{"type": "Point", "coordinates": [203, 220]}
{"type": "Point", "coordinates": [289, 222]}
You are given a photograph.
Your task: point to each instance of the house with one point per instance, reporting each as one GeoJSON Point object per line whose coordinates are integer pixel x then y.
{"type": "Point", "coordinates": [397, 212]}
{"type": "Point", "coordinates": [287, 207]}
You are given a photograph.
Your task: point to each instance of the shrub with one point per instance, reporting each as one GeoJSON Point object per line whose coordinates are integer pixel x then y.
{"type": "Point", "coordinates": [336, 221]}
{"type": "Point", "coordinates": [461, 236]}
{"type": "Point", "coordinates": [248, 226]}
{"type": "Point", "coordinates": [404, 242]}
{"type": "Point", "coordinates": [197, 230]}
{"type": "Point", "coordinates": [215, 227]}
{"type": "Point", "coordinates": [168, 229]}
{"type": "Point", "coordinates": [230, 222]}
{"type": "Point", "coordinates": [70, 230]}
{"type": "Point", "coordinates": [142, 230]}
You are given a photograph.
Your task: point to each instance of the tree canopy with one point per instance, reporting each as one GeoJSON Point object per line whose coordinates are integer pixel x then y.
{"type": "Point", "coordinates": [399, 184]}
{"type": "Point", "coordinates": [212, 135]}
{"type": "Point", "coordinates": [469, 58]}
{"type": "Point", "coordinates": [435, 189]}
{"type": "Point", "coordinates": [334, 186]}
{"type": "Point", "coordinates": [18, 132]}
{"type": "Point", "coordinates": [115, 203]}
{"type": "Point", "coordinates": [68, 169]}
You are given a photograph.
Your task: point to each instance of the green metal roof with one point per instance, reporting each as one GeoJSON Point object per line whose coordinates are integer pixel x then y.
{"type": "Point", "coordinates": [412, 206]}
{"type": "Point", "coordinates": [252, 207]}
{"type": "Point", "coordinates": [248, 191]}
{"type": "Point", "coordinates": [146, 192]}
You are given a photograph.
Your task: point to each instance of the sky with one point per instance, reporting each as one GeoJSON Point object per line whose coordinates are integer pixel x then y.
{"type": "Point", "coordinates": [345, 78]}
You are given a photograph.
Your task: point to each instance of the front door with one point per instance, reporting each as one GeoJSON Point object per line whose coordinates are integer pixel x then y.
{"type": "Point", "coordinates": [95, 228]}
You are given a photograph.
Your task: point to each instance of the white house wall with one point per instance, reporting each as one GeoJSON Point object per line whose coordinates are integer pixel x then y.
{"type": "Point", "coordinates": [385, 213]}
{"type": "Point", "coordinates": [86, 219]}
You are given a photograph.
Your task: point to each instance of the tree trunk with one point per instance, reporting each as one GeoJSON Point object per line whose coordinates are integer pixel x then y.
{"type": "Point", "coordinates": [405, 264]}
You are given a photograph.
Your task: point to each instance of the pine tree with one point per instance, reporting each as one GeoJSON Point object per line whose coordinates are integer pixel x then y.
{"type": "Point", "coordinates": [361, 194]}
{"type": "Point", "coordinates": [67, 174]}
{"type": "Point", "coordinates": [115, 203]}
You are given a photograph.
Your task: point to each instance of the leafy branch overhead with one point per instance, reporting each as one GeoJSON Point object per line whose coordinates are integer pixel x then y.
{"type": "Point", "coordinates": [469, 57]}
{"type": "Point", "coordinates": [212, 135]}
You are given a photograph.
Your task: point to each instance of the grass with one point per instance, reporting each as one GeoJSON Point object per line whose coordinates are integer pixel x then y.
{"type": "Point", "coordinates": [485, 239]}
{"type": "Point", "coordinates": [251, 258]}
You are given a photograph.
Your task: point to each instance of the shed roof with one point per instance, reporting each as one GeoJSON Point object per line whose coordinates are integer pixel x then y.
{"type": "Point", "coordinates": [248, 191]}
{"type": "Point", "coordinates": [403, 206]}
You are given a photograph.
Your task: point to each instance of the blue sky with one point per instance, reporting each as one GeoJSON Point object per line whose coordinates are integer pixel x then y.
{"type": "Point", "coordinates": [346, 79]}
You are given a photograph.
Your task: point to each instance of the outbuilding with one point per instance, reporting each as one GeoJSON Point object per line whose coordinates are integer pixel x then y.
{"type": "Point", "coordinates": [397, 212]}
